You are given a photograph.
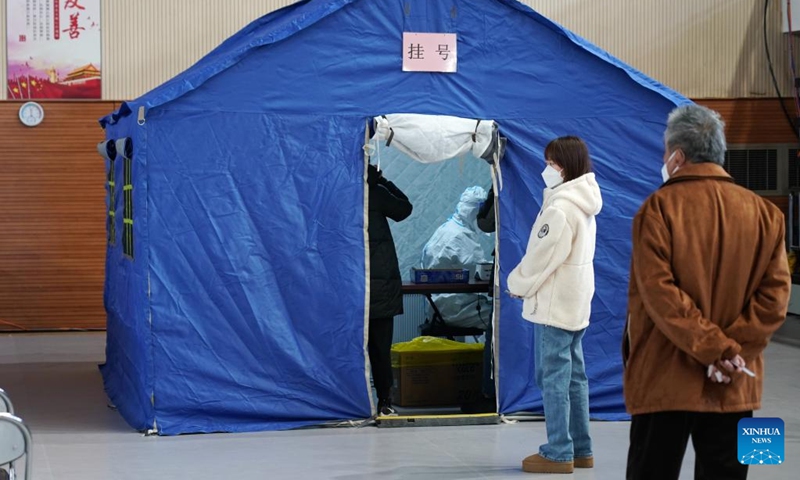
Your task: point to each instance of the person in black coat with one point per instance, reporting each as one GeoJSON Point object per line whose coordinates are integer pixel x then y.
{"type": "Point", "coordinates": [386, 201]}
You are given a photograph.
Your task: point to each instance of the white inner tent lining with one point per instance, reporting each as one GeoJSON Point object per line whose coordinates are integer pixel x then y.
{"type": "Point", "coordinates": [436, 138]}
{"type": "Point", "coordinates": [433, 139]}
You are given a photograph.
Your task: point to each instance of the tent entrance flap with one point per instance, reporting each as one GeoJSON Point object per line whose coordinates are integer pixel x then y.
{"type": "Point", "coordinates": [436, 138]}
{"type": "Point", "coordinates": [406, 139]}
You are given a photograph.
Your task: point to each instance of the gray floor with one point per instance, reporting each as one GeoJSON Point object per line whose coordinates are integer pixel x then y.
{"type": "Point", "coordinates": [57, 389]}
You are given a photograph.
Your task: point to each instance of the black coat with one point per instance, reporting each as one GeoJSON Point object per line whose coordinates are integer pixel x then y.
{"type": "Point", "coordinates": [486, 213]}
{"type": "Point", "coordinates": [385, 201]}
{"type": "Point", "coordinates": [487, 224]}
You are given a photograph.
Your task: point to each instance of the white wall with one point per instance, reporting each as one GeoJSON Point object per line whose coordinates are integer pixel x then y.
{"type": "Point", "coordinates": [702, 48]}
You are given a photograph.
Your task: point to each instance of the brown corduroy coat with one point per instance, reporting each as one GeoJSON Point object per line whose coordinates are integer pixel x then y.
{"type": "Point", "coordinates": [709, 279]}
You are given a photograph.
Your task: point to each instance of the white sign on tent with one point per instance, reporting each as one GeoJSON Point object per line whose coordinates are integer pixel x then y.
{"type": "Point", "coordinates": [429, 52]}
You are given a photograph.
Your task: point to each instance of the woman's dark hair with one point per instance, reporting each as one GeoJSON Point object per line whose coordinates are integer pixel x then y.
{"type": "Point", "coordinates": [571, 154]}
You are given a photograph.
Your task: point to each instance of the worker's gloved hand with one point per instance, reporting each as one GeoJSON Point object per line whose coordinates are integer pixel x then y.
{"type": "Point", "coordinates": [374, 175]}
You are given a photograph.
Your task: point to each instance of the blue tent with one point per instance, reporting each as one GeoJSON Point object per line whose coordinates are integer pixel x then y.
{"type": "Point", "coordinates": [235, 273]}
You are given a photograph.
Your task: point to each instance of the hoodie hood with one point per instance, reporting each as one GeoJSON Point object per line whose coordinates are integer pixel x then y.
{"type": "Point", "coordinates": [583, 192]}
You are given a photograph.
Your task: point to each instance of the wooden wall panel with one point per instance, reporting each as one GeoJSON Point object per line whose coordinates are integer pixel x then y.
{"type": "Point", "coordinates": [754, 120]}
{"type": "Point", "coordinates": [52, 219]}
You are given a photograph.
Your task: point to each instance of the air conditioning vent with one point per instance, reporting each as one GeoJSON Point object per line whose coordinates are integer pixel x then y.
{"type": "Point", "coordinates": [794, 168]}
{"type": "Point", "coordinates": [756, 169]}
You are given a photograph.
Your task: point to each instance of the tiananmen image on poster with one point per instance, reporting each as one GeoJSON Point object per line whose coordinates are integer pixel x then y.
{"type": "Point", "coordinates": [54, 49]}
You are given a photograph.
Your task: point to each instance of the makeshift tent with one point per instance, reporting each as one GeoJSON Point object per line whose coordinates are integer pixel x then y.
{"type": "Point", "coordinates": [236, 272]}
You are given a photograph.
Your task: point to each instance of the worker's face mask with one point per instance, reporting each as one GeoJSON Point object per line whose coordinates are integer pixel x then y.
{"type": "Point", "coordinates": [552, 177]}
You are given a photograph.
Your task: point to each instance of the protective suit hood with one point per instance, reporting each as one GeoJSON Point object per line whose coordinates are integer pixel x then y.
{"type": "Point", "coordinates": [466, 213]}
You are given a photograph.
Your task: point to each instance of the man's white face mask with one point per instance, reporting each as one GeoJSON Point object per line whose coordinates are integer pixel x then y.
{"type": "Point", "coordinates": [665, 174]}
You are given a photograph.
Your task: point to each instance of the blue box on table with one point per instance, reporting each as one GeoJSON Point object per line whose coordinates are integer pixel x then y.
{"type": "Point", "coordinates": [440, 275]}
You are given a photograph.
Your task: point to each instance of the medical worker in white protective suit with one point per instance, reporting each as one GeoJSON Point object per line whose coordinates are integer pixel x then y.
{"type": "Point", "coordinates": [456, 244]}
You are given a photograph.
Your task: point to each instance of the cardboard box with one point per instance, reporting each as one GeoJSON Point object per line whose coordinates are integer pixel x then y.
{"type": "Point", "coordinates": [439, 275]}
{"type": "Point", "coordinates": [430, 371]}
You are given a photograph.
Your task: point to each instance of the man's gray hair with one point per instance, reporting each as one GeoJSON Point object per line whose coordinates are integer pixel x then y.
{"type": "Point", "coordinates": [699, 132]}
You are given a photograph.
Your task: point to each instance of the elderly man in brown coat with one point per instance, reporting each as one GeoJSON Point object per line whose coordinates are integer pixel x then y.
{"type": "Point", "coordinates": [709, 285]}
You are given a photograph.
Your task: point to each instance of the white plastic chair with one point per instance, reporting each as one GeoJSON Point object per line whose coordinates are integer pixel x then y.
{"type": "Point", "coordinates": [5, 403]}
{"type": "Point", "coordinates": [15, 441]}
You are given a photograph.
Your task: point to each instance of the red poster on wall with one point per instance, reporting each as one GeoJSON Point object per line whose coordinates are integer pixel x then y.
{"type": "Point", "coordinates": [54, 49]}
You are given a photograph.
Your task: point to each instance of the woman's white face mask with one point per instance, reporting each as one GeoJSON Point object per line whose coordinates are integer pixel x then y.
{"type": "Point", "coordinates": [552, 177]}
{"type": "Point", "coordinates": [665, 173]}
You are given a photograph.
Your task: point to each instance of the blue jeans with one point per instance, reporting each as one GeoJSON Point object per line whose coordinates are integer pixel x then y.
{"type": "Point", "coordinates": [561, 375]}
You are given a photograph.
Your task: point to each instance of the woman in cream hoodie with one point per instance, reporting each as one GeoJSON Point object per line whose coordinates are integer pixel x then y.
{"type": "Point", "coordinates": [555, 279]}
